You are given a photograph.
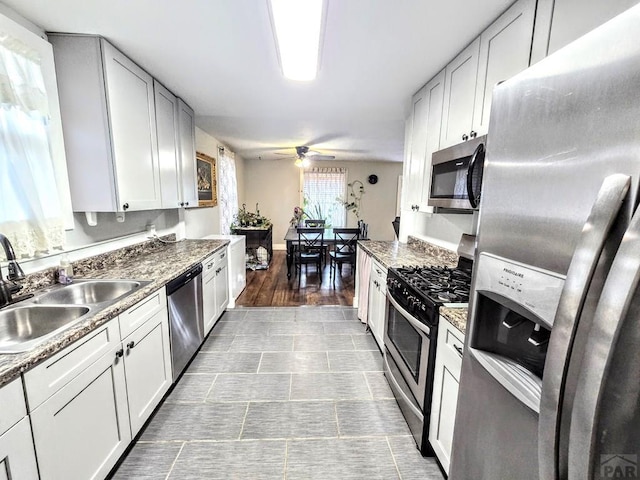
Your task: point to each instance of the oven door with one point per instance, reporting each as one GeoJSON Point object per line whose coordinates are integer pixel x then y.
{"type": "Point", "coordinates": [407, 341]}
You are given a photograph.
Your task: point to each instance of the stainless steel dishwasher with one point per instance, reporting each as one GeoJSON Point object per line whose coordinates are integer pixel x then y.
{"type": "Point", "coordinates": [186, 323]}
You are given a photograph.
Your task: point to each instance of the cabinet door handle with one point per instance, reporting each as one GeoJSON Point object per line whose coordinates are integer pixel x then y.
{"type": "Point", "coordinates": [222, 255]}
{"type": "Point", "coordinates": [182, 204]}
{"type": "Point", "coordinates": [120, 353]}
{"type": "Point", "coordinates": [131, 344]}
{"type": "Point", "coordinates": [473, 134]}
{"type": "Point", "coordinates": [465, 137]}
{"type": "Point", "coordinates": [125, 206]}
{"type": "Point", "coordinates": [186, 203]}
{"type": "Point", "coordinates": [209, 265]}
{"type": "Point", "coordinates": [458, 349]}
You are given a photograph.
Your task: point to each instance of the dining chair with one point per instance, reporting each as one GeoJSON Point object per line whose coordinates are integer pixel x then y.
{"type": "Point", "coordinates": [309, 249]}
{"type": "Point", "coordinates": [344, 251]}
{"type": "Point", "coordinates": [314, 223]}
{"type": "Point", "coordinates": [318, 223]}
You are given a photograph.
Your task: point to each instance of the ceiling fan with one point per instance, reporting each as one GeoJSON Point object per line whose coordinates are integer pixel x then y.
{"type": "Point", "coordinates": [304, 154]}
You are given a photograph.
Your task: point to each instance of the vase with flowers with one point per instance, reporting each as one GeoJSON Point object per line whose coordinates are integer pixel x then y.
{"type": "Point", "coordinates": [298, 217]}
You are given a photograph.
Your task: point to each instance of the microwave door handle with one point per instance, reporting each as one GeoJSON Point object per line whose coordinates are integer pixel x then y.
{"type": "Point", "coordinates": [618, 305]}
{"type": "Point", "coordinates": [473, 199]}
{"type": "Point", "coordinates": [552, 456]}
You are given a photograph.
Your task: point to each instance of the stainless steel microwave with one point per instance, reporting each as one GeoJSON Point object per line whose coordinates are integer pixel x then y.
{"type": "Point", "coordinates": [456, 175]}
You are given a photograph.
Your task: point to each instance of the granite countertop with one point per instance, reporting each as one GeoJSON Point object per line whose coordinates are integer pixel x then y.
{"type": "Point", "coordinates": [456, 316]}
{"type": "Point", "coordinates": [414, 252]}
{"type": "Point", "coordinates": [154, 261]}
{"type": "Point", "coordinates": [419, 253]}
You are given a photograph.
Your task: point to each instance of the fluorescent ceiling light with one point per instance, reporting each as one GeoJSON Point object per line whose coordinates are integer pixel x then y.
{"type": "Point", "coordinates": [297, 25]}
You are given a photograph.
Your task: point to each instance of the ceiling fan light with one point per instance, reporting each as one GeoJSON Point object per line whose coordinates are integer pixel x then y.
{"type": "Point", "coordinates": [299, 163]}
{"type": "Point", "coordinates": [298, 25]}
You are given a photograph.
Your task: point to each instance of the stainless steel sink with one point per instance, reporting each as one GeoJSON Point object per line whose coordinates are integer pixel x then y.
{"type": "Point", "coordinates": [84, 292]}
{"type": "Point", "coordinates": [29, 323]}
{"type": "Point", "coordinates": [24, 327]}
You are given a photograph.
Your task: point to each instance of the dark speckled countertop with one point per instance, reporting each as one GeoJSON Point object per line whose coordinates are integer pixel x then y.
{"type": "Point", "coordinates": [155, 261]}
{"type": "Point", "coordinates": [456, 316]}
{"type": "Point", "coordinates": [418, 253]}
{"type": "Point", "coordinates": [414, 252]}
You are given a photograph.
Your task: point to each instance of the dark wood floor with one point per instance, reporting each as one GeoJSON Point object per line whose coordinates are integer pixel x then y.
{"type": "Point", "coordinates": [271, 288]}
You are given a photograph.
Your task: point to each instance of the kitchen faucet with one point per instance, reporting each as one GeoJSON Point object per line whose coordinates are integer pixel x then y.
{"type": "Point", "coordinates": [9, 287]}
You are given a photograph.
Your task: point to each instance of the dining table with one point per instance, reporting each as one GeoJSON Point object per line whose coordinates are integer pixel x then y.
{"type": "Point", "coordinates": [291, 238]}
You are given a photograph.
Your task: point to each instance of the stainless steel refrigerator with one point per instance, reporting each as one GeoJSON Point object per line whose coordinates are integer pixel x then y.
{"type": "Point", "coordinates": [550, 383]}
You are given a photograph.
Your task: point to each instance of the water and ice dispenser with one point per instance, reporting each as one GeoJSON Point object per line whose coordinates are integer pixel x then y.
{"type": "Point", "coordinates": [513, 310]}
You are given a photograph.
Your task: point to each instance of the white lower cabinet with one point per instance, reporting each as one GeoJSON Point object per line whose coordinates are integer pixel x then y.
{"type": "Point", "coordinates": [81, 431]}
{"type": "Point", "coordinates": [215, 288]}
{"type": "Point", "coordinates": [445, 390]}
{"type": "Point", "coordinates": [377, 301]}
{"type": "Point", "coordinates": [147, 365]}
{"type": "Point", "coordinates": [85, 410]}
{"type": "Point", "coordinates": [17, 457]}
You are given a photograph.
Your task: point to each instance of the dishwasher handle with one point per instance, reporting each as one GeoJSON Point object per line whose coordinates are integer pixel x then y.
{"type": "Point", "coordinates": [183, 279]}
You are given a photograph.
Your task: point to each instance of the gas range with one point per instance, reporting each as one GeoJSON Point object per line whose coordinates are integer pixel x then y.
{"type": "Point", "coordinates": [422, 290]}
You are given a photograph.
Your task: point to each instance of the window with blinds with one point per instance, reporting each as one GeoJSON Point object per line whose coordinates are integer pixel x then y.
{"type": "Point", "coordinates": [323, 187]}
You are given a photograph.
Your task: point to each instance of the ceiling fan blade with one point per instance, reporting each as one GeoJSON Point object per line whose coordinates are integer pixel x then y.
{"type": "Point", "coordinates": [321, 157]}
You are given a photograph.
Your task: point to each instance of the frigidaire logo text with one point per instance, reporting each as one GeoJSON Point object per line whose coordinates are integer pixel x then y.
{"type": "Point", "coordinates": [513, 272]}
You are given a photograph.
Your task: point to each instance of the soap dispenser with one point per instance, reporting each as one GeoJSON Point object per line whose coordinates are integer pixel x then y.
{"type": "Point", "coordinates": [65, 270]}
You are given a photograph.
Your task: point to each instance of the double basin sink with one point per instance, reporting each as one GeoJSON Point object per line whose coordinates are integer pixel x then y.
{"type": "Point", "coordinates": [29, 323]}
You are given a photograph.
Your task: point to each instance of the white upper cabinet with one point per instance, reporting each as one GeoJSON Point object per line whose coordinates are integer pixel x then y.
{"type": "Point", "coordinates": [414, 164]}
{"type": "Point", "coordinates": [166, 125]}
{"type": "Point", "coordinates": [459, 95]}
{"type": "Point", "coordinates": [130, 142]}
{"type": "Point", "coordinates": [423, 140]}
{"type": "Point", "coordinates": [435, 103]}
{"type": "Point", "coordinates": [175, 122]}
{"type": "Point", "coordinates": [505, 49]}
{"type": "Point", "coordinates": [108, 116]}
{"type": "Point", "coordinates": [501, 51]}
{"type": "Point", "coordinates": [131, 110]}
{"type": "Point", "coordinates": [560, 22]}
{"type": "Point", "coordinates": [187, 155]}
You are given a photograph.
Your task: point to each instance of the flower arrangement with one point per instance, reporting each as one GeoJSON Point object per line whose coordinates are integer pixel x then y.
{"type": "Point", "coordinates": [249, 219]}
{"type": "Point", "coordinates": [352, 203]}
{"type": "Point", "coordinates": [298, 216]}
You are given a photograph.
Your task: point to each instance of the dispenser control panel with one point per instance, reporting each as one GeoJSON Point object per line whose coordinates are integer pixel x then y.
{"type": "Point", "coordinates": [534, 289]}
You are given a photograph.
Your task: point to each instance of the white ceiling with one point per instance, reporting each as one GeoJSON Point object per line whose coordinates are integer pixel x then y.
{"type": "Point", "coordinates": [220, 57]}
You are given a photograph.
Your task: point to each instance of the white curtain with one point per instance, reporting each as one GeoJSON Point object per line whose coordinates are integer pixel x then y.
{"type": "Point", "coordinates": [227, 189]}
{"type": "Point", "coordinates": [30, 212]}
{"type": "Point", "coordinates": [322, 188]}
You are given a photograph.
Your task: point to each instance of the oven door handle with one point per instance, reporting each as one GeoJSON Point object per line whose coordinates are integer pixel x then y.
{"type": "Point", "coordinates": [415, 323]}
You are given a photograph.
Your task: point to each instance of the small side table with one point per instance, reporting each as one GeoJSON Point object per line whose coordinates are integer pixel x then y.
{"type": "Point", "coordinates": [257, 237]}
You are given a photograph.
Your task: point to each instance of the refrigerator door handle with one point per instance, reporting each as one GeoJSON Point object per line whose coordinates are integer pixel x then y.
{"type": "Point", "coordinates": [581, 271]}
{"type": "Point", "coordinates": [619, 295]}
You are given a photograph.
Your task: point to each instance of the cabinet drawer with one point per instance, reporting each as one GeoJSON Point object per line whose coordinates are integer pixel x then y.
{"type": "Point", "coordinates": [51, 375]}
{"type": "Point", "coordinates": [141, 311]}
{"type": "Point", "coordinates": [454, 347]}
{"type": "Point", "coordinates": [212, 262]}
{"type": "Point", "coordinates": [12, 405]}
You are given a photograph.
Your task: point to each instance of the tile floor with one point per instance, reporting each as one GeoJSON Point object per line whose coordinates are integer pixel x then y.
{"type": "Point", "coordinates": [281, 393]}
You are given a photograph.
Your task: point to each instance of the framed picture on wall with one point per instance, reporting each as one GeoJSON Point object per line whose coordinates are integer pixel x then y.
{"type": "Point", "coordinates": [207, 191]}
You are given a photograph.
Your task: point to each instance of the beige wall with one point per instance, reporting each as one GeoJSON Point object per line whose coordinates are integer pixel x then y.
{"type": "Point", "coordinates": [275, 186]}
{"type": "Point", "coordinates": [200, 222]}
